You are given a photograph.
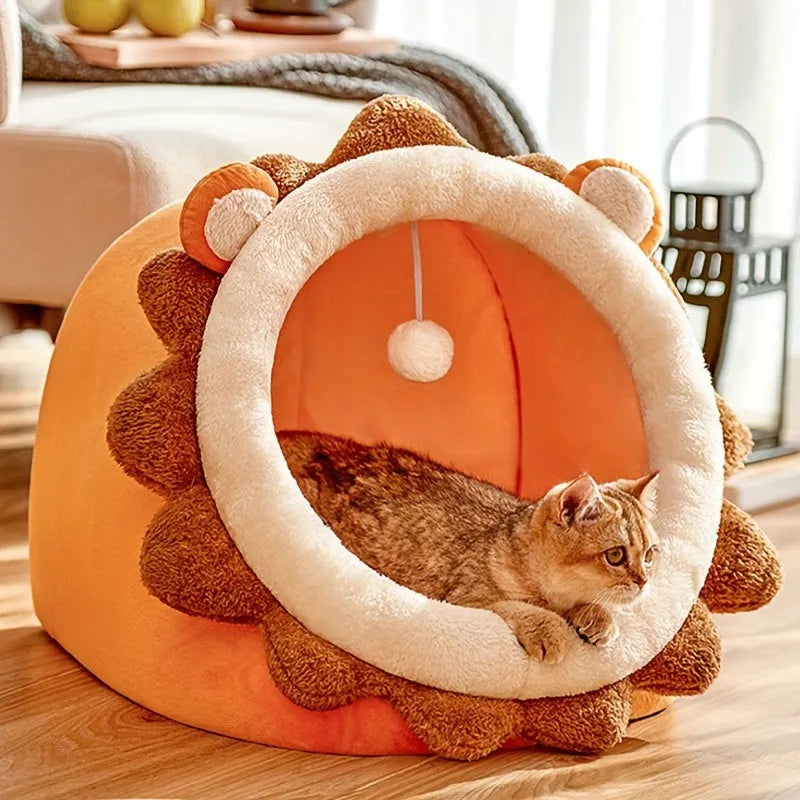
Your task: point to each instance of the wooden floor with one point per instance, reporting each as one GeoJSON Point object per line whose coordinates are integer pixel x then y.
{"type": "Point", "coordinates": [65, 735]}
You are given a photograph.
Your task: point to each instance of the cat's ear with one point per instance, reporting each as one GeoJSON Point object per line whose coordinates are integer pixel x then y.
{"type": "Point", "coordinates": [645, 490]}
{"type": "Point", "coordinates": [578, 500]}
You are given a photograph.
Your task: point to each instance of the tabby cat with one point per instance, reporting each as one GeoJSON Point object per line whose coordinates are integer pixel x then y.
{"type": "Point", "coordinates": [549, 568]}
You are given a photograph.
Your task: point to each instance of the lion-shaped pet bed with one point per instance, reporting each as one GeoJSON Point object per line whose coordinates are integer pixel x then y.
{"type": "Point", "coordinates": [197, 581]}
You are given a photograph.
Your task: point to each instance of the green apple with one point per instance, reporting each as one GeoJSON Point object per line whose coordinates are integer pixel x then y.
{"type": "Point", "coordinates": [170, 17]}
{"type": "Point", "coordinates": [97, 16]}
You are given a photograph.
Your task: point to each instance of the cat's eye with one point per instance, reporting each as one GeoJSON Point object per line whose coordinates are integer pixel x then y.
{"type": "Point", "coordinates": [649, 555]}
{"type": "Point", "coordinates": [615, 556]}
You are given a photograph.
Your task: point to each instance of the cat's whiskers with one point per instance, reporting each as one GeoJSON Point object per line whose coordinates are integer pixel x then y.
{"type": "Point", "coordinates": [602, 596]}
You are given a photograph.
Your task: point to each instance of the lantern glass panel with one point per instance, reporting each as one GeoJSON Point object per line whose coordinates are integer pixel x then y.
{"type": "Point", "coordinates": [750, 378]}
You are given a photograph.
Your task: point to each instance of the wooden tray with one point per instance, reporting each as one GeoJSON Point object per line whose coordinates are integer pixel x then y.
{"type": "Point", "coordinates": [133, 47]}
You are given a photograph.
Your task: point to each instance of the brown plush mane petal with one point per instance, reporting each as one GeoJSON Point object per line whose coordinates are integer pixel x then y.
{"type": "Point", "coordinates": [391, 122]}
{"type": "Point", "coordinates": [309, 670]}
{"type": "Point", "coordinates": [584, 723]}
{"type": "Point", "coordinates": [176, 293]}
{"type": "Point", "coordinates": [189, 562]}
{"type": "Point", "coordinates": [745, 573]}
{"type": "Point", "coordinates": [736, 438]}
{"type": "Point", "coordinates": [386, 123]}
{"type": "Point", "coordinates": [454, 725]}
{"type": "Point", "coordinates": [689, 663]}
{"type": "Point", "coordinates": [288, 172]}
{"type": "Point", "coordinates": [539, 162]}
{"type": "Point", "coordinates": [151, 428]}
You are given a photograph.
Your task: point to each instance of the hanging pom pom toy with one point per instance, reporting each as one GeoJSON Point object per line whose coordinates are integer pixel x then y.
{"type": "Point", "coordinates": [419, 349]}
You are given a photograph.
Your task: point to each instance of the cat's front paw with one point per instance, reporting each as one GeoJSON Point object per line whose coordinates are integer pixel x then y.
{"type": "Point", "coordinates": [543, 637]}
{"type": "Point", "coordinates": [593, 623]}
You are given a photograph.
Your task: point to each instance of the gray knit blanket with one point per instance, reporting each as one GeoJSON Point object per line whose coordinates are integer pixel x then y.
{"type": "Point", "coordinates": [482, 111]}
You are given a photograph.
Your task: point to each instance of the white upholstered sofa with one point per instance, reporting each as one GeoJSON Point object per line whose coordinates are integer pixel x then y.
{"type": "Point", "coordinates": [80, 163]}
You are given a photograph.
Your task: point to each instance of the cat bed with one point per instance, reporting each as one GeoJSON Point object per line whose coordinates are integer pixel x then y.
{"type": "Point", "coordinates": [502, 316]}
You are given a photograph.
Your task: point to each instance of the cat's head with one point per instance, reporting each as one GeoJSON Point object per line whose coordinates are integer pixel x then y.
{"type": "Point", "coordinates": [598, 538]}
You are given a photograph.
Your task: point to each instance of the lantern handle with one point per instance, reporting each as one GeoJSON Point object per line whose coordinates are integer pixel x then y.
{"type": "Point", "coordinates": [728, 123]}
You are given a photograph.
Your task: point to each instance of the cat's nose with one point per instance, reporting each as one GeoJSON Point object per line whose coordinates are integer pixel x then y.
{"type": "Point", "coordinates": [639, 580]}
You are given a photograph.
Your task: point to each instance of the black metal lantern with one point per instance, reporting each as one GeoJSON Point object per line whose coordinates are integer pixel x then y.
{"type": "Point", "coordinates": [717, 265]}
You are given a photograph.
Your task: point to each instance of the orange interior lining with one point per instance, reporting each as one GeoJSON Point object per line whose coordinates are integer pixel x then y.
{"type": "Point", "coordinates": [539, 390]}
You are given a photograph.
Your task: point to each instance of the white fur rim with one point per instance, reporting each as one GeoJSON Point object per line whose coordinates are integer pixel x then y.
{"type": "Point", "coordinates": [303, 562]}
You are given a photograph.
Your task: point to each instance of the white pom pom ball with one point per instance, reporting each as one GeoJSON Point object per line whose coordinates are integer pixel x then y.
{"type": "Point", "coordinates": [420, 351]}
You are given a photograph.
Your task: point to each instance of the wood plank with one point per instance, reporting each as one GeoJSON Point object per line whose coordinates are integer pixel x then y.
{"type": "Point", "coordinates": [66, 735]}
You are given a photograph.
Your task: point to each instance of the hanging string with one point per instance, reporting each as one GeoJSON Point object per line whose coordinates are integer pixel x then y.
{"type": "Point", "coordinates": [419, 349]}
{"type": "Point", "coordinates": [417, 271]}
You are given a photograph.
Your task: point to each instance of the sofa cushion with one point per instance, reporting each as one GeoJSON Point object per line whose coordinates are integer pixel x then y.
{"type": "Point", "coordinates": [86, 161]}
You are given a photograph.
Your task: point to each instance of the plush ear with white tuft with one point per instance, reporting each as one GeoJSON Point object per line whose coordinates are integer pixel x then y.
{"type": "Point", "coordinates": [578, 500]}
{"type": "Point", "coordinates": [624, 195]}
{"type": "Point", "coordinates": [222, 212]}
